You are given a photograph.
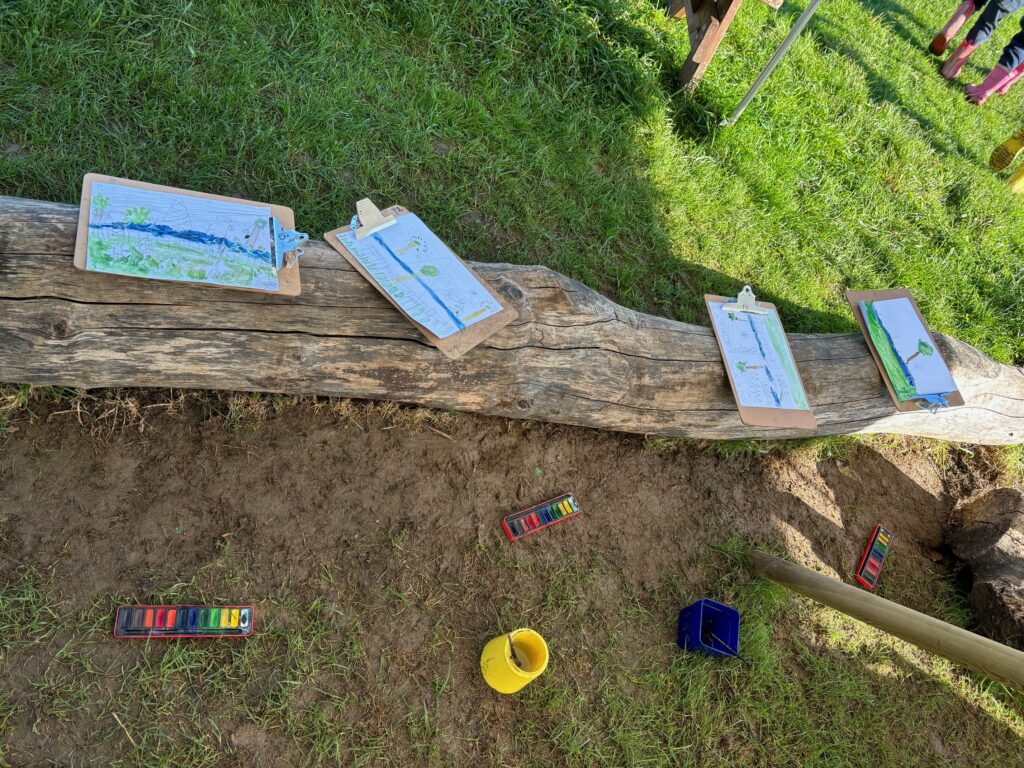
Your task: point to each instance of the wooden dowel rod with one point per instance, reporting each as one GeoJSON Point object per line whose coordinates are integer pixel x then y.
{"type": "Point", "coordinates": [975, 652]}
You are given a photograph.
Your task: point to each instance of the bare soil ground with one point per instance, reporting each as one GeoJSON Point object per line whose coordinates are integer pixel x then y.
{"type": "Point", "coordinates": [368, 538]}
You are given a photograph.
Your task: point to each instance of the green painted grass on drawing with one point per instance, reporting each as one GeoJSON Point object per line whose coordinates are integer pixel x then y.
{"type": "Point", "coordinates": [168, 259]}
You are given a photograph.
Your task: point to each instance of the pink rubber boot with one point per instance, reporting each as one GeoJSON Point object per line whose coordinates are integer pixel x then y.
{"type": "Point", "coordinates": [1014, 77]}
{"type": "Point", "coordinates": [957, 59]}
{"type": "Point", "coordinates": [996, 79]}
{"type": "Point", "coordinates": [942, 40]}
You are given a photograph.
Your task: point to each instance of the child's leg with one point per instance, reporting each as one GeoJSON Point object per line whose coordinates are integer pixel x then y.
{"type": "Point", "coordinates": [993, 12]}
{"type": "Point", "coordinates": [994, 80]}
{"type": "Point", "coordinates": [1015, 75]}
{"type": "Point", "coordinates": [1003, 75]}
{"type": "Point", "coordinates": [1013, 60]}
{"type": "Point", "coordinates": [1013, 53]}
{"type": "Point", "coordinates": [957, 59]}
{"type": "Point", "coordinates": [942, 40]}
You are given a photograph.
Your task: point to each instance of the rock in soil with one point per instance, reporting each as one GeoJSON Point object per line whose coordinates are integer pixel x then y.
{"type": "Point", "coordinates": [987, 533]}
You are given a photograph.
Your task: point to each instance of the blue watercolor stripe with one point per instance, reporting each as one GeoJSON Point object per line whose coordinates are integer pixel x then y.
{"type": "Point", "coordinates": [191, 236]}
{"type": "Point", "coordinates": [458, 323]}
{"type": "Point", "coordinates": [771, 379]}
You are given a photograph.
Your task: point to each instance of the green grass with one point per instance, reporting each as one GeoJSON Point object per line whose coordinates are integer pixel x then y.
{"type": "Point", "coordinates": [314, 687]}
{"type": "Point", "coordinates": [547, 131]}
{"type": "Point", "coordinates": [533, 131]}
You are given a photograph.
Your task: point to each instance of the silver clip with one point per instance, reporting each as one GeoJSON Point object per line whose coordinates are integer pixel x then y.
{"type": "Point", "coordinates": [745, 302]}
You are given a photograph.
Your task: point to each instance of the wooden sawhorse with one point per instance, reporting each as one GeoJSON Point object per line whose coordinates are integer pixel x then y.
{"type": "Point", "coordinates": [706, 23]}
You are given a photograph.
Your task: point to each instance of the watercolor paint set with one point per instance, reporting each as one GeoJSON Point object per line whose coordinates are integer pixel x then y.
{"type": "Point", "coordinates": [552, 511]}
{"type": "Point", "coordinates": [873, 559]}
{"type": "Point", "coordinates": [183, 621]}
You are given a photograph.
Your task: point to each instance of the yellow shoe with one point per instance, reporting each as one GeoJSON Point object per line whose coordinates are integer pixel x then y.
{"type": "Point", "coordinates": [1016, 181]}
{"type": "Point", "coordinates": [1007, 152]}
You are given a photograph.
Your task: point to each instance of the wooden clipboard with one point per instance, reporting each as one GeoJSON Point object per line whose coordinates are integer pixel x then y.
{"type": "Point", "coordinates": [287, 276]}
{"type": "Point", "coordinates": [955, 398]}
{"type": "Point", "coordinates": [754, 416]}
{"type": "Point", "coordinates": [458, 343]}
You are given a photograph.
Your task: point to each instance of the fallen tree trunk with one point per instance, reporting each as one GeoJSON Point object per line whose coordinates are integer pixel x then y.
{"type": "Point", "coordinates": [573, 357]}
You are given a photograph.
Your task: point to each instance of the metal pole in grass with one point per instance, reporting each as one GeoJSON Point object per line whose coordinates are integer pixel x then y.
{"type": "Point", "coordinates": [772, 62]}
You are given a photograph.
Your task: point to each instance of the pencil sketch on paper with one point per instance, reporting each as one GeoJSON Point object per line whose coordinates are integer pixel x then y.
{"type": "Point", "coordinates": [429, 282]}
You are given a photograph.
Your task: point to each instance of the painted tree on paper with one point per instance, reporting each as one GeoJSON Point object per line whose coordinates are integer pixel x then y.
{"type": "Point", "coordinates": [136, 215]}
{"type": "Point", "coordinates": [99, 206]}
{"type": "Point", "coordinates": [923, 348]}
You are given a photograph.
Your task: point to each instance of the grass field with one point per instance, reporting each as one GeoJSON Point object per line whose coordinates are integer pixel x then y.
{"type": "Point", "coordinates": [548, 131]}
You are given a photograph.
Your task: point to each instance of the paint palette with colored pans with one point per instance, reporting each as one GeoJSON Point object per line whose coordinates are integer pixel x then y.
{"type": "Point", "coordinates": [530, 520]}
{"type": "Point", "coordinates": [873, 559]}
{"type": "Point", "coordinates": [180, 621]}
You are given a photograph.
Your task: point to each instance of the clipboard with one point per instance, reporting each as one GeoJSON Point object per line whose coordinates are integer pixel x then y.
{"type": "Point", "coordinates": [370, 220]}
{"type": "Point", "coordinates": [955, 398]}
{"type": "Point", "coordinates": [284, 240]}
{"type": "Point", "coordinates": [757, 416]}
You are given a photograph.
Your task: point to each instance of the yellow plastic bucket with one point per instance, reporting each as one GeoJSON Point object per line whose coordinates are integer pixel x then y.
{"type": "Point", "coordinates": [501, 670]}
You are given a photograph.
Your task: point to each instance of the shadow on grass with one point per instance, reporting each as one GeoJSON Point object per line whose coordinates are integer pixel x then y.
{"type": "Point", "coordinates": [883, 89]}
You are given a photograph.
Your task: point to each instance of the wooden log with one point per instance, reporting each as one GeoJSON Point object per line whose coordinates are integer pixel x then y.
{"type": "Point", "coordinates": [987, 657]}
{"type": "Point", "coordinates": [573, 357]}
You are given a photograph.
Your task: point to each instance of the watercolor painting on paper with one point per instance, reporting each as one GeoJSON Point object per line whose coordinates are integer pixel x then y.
{"type": "Point", "coordinates": [761, 366]}
{"type": "Point", "coordinates": [913, 366]}
{"type": "Point", "coordinates": [170, 236]}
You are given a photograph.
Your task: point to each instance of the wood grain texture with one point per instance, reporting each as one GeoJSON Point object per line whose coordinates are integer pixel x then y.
{"type": "Point", "coordinates": [975, 652]}
{"type": "Point", "coordinates": [573, 357]}
{"type": "Point", "coordinates": [707, 22]}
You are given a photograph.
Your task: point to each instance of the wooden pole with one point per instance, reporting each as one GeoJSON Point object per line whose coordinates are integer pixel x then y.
{"type": "Point", "coordinates": [975, 652]}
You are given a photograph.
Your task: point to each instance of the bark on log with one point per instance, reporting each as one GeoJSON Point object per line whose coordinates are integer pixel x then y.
{"type": "Point", "coordinates": [573, 357]}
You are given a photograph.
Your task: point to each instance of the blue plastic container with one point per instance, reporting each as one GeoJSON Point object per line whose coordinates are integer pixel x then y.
{"type": "Point", "coordinates": [710, 628]}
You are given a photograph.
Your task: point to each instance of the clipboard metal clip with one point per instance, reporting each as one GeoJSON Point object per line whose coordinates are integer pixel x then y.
{"type": "Point", "coordinates": [932, 403]}
{"type": "Point", "coordinates": [745, 302]}
{"type": "Point", "coordinates": [369, 219]}
{"type": "Point", "coordinates": [286, 245]}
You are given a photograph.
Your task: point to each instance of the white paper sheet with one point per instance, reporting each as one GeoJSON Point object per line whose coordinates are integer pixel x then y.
{"type": "Point", "coordinates": [915, 368]}
{"type": "Point", "coordinates": [413, 266]}
{"type": "Point", "coordinates": [763, 372]}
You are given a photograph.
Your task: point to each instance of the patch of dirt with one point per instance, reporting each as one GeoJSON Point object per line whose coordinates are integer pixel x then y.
{"type": "Point", "coordinates": [302, 489]}
{"type": "Point", "coordinates": [351, 511]}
